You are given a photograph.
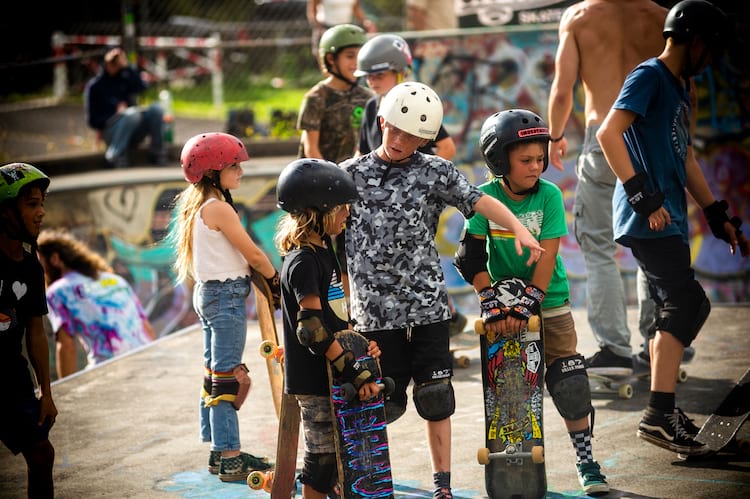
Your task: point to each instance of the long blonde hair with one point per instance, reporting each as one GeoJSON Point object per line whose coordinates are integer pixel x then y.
{"type": "Point", "coordinates": [188, 204]}
{"type": "Point", "coordinates": [297, 230]}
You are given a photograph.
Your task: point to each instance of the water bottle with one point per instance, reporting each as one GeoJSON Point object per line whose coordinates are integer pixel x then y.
{"type": "Point", "coordinates": [165, 99]}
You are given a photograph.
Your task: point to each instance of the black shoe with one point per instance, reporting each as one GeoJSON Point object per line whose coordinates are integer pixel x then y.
{"type": "Point", "coordinates": [687, 423]}
{"type": "Point", "coordinates": [667, 430]}
{"type": "Point", "coordinates": [608, 364]}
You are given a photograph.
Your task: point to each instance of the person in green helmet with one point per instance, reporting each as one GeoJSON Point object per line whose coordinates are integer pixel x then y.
{"type": "Point", "coordinates": [28, 410]}
{"type": "Point", "coordinates": [331, 111]}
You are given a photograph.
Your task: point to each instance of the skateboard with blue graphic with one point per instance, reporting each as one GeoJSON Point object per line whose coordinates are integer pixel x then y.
{"type": "Point", "coordinates": [512, 380]}
{"type": "Point", "coordinates": [364, 466]}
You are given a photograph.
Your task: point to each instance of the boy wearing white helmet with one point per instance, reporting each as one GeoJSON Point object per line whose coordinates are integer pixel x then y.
{"type": "Point", "coordinates": [398, 292]}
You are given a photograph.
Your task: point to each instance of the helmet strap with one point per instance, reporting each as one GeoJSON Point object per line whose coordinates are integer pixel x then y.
{"type": "Point", "coordinates": [531, 190]}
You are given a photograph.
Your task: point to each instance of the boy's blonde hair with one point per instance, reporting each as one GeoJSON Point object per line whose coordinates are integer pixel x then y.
{"type": "Point", "coordinates": [297, 230]}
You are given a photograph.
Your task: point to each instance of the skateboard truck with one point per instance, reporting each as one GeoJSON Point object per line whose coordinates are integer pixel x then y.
{"type": "Point", "coordinates": [513, 453]}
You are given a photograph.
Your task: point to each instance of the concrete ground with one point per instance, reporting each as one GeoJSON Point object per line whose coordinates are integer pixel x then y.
{"type": "Point", "coordinates": [129, 428]}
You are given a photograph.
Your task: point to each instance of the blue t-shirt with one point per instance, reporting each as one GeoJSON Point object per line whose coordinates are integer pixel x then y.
{"type": "Point", "coordinates": [657, 143]}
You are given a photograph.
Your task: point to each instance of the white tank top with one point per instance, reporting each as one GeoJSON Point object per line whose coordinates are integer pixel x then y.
{"type": "Point", "coordinates": [214, 257]}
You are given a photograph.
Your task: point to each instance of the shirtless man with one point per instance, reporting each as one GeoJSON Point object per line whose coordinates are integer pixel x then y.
{"type": "Point", "coordinates": [601, 41]}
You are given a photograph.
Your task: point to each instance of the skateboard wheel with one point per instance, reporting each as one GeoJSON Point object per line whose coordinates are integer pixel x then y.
{"type": "Point", "coordinates": [534, 324]}
{"type": "Point", "coordinates": [479, 326]}
{"type": "Point", "coordinates": [267, 349]}
{"type": "Point", "coordinates": [682, 375]}
{"type": "Point", "coordinates": [625, 391]}
{"type": "Point", "coordinates": [268, 484]}
{"type": "Point", "coordinates": [537, 454]}
{"type": "Point", "coordinates": [348, 392]}
{"type": "Point", "coordinates": [256, 480]}
{"type": "Point", "coordinates": [483, 456]}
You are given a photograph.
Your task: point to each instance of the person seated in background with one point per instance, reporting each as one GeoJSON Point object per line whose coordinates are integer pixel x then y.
{"type": "Point", "coordinates": [110, 108]}
{"type": "Point", "coordinates": [86, 300]}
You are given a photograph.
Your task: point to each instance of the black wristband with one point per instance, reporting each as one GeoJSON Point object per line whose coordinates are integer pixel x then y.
{"type": "Point", "coordinates": [557, 139]}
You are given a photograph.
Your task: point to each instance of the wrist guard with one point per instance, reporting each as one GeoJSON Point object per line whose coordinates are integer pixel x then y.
{"type": "Point", "coordinates": [530, 303]}
{"type": "Point", "coordinates": [716, 216]}
{"type": "Point", "coordinates": [492, 309]}
{"type": "Point", "coordinates": [351, 371]}
{"type": "Point", "coordinates": [643, 202]}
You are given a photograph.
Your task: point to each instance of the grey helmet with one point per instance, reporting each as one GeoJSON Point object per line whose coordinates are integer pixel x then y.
{"type": "Point", "coordinates": [383, 53]}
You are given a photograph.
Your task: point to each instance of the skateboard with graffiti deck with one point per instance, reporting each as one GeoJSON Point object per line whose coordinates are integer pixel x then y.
{"type": "Point", "coordinates": [721, 427]}
{"type": "Point", "coordinates": [279, 482]}
{"type": "Point", "coordinates": [512, 380]}
{"type": "Point", "coordinates": [364, 468]}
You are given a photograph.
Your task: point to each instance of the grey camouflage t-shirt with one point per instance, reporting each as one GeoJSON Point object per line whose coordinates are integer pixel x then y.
{"type": "Point", "coordinates": [394, 268]}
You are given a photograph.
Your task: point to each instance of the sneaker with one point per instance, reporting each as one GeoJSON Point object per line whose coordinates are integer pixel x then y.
{"type": "Point", "coordinates": [444, 493]}
{"type": "Point", "coordinates": [687, 423]}
{"type": "Point", "coordinates": [234, 469]}
{"type": "Point", "coordinates": [214, 459]}
{"type": "Point", "coordinates": [591, 479]}
{"type": "Point", "coordinates": [457, 323]}
{"type": "Point", "coordinates": [667, 430]}
{"type": "Point", "coordinates": [607, 363]}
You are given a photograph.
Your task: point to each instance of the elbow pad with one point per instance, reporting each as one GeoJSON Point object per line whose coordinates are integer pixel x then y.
{"type": "Point", "coordinates": [312, 333]}
{"type": "Point", "coordinates": [471, 257]}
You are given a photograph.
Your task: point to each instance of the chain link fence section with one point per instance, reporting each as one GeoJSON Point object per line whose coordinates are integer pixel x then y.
{"type": "Point", "coordinates": [246, 62]}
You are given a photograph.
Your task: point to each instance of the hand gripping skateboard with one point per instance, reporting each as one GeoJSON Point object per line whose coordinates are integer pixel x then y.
{"type": "Point", "coordinates": [512, 377]}
{"type": "Point", "coordinates": [720, 429]}
{"type": "Point", "coordinates": [364, 468]}
{"type": "Point", "coordinates": [280, 481]}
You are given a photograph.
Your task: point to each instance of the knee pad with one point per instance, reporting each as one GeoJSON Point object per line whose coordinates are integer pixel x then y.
{"type": "Point", "coordinates": [232, 387]}
{"type": "Point", "coordinates": [684, 314]}
{"type": "Point", "coordinates": [568, 385]}
{"type": "Point", "coordinates": [435, 400]}
{"type": "Point", "coordinates": [393, 411]}
{"type": "Point", "coordinates": [319, 471]}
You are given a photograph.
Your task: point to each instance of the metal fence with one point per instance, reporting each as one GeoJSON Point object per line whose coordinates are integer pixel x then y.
{"type": "Point", "coordinates": [214, 57]}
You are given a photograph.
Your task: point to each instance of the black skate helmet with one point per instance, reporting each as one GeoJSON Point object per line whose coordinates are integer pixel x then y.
{"type": "Point", "coordinates": [314, 183]}
{"type": "Point", "coordinates": [502, 129]}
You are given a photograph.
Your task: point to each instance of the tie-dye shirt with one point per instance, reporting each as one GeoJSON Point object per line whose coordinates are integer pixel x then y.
{"type": "Point", "coordinates": [104, 314]}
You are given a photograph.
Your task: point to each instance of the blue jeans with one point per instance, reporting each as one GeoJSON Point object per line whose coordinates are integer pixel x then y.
{"type": "Point", "coordinates": [221, 309]}
{"type": "Point", "coordinates": [605, 291]}
{"type": "Point", "coordinates": [131, 128]}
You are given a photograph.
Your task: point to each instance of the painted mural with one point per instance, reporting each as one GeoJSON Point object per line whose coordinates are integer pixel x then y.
{"type": "Point", "coordinates": [476, 74]}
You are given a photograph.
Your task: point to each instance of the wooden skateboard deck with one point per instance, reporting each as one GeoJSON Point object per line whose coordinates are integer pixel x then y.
{"type": "Point", "coordinates": [512, 381]}
{"type": "Point", "coordinates": [721, 427]}
{"type": "Point", "coordinates": [269, 347]}
{"type": "Point", "coordinates": [280, 481]}
{"type": "Point", "coordinates": [364, 468]}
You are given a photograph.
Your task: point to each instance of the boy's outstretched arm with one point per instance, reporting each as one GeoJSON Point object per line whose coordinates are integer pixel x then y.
{"type": "Point", "coordinates": [496, 211]}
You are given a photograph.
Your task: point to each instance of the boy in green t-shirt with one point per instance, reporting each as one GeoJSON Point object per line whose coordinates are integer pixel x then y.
{"type": "Point", "coordinates": [514, 146]}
